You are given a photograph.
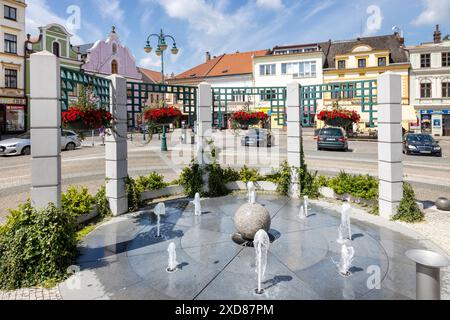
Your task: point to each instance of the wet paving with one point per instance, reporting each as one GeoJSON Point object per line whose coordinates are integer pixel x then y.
{"type": "Point", "coordinates": [123, 259]}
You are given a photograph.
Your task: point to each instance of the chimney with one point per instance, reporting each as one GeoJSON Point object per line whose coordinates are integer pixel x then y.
{"type": "Point", "coordinates": [208, 56]}
{"type": "Point", "coordinates": [437, 35]}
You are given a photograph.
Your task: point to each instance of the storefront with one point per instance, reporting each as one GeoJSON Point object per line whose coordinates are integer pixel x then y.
{"type": "Point", "coordinates": [435, 122]}
{"type": "Point", "coordinates": [13, 115]}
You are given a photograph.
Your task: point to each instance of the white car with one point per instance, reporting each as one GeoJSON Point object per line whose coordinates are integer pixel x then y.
{"type": "Point", "coordinates": [22, 144]}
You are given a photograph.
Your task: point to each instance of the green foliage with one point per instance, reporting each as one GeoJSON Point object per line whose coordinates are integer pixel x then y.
{"type": "Point", "coordinates": [102, 203]}
{"type": "Point", "coordinates": [309, 184]}
{"type": "Point", "coordinates": [231, 175]}
{"type": "Point", "coordinates": [191, 179]}
{"type": "Point", "coordinates": [77, 201]}
{"type": "Point", "coordinates": [36, 247]}
{"type": "Point", "coordinates": [282, 178]}
{"type": "Point", "coordinates": [133, 194]}
{"type": "Point", "coordinates": [216, 181]}
{"type": "Point", "coordinates": [408, 210]}
{"type": "Point", "coordinates": [81, 234]}
{"type": "Point", "coordinates": [153, 181]}
{"type": "Point", "coordinates": [360, 186]}
{"type": "Point", "coordinates": [246, 175]}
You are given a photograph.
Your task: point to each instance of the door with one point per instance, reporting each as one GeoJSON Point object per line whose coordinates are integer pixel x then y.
{"type": "Point", "coordinates": [446, 124]}
{"type": "Point", "coordinates": [2, 119]}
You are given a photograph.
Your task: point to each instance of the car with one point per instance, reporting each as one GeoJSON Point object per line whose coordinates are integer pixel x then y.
{"type": "Point", "coordinates": [332, 138]}
{"type": "Point", "coordinates": [21, 145]}
{"type": "Point", "coordinates": [258, 138]}
{"type": "Point", "coordinates": [421, 144]}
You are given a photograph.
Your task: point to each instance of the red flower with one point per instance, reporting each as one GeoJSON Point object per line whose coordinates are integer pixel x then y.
{"type": "Point", "coordinates": [162, 114]}
{"type": "Point", "coordinates": [247, 116]}
{"type": "Point", "coordinates": [94, 119]}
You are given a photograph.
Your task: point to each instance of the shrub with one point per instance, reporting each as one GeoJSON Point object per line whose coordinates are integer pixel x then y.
{"type": "Point", "coordinates": [36, 247]}
{"type": "Point", "coordinates": [133, 194]}
{"type": "Point", "coordinates": [282, 178]}
{"type": "Point", "coordinates": [153, 181]}
{"type": "Point", "coordinates": [102, 202]}
{"type": "Point", "coordinates": [408, 210]}
{"type": "Point", "coordinates": [191, 179]}
{"type": "Point", "coordinates": [216, 181]}
{"type": "Point", "coordinates": [77, 201]}
{"type": "Point", "coordinates": [246, 175]}
{"type": "Point", "coordinates": [360, 186]}
{"type": "Point", "coordinates": [231, 175]}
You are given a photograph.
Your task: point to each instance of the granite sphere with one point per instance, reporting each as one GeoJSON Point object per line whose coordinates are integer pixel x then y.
{"type": "Point", "coordinates": [443, 204]}
{"type": "Point", "coordinates": [250, 218]}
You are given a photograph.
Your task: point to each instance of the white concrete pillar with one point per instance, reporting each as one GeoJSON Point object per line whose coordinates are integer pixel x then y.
{"type": "Point", "coordinates": [45, 121]}
{"type": "Point", "coordinates": [390, 138]}
{"type": "Point", "coordinates": [204, 120]}
{"type": "Point", "coordinates": [117, 149]}
{"type": "Point", "coordinates": [294, 133]}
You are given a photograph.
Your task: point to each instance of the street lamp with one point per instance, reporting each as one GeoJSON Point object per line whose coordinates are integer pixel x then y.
{"type": "Point", "coordinates": [161, 47]}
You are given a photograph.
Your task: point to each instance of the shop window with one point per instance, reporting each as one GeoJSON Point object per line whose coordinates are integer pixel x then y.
{"type": "Point", "coordinates": [15, 118]}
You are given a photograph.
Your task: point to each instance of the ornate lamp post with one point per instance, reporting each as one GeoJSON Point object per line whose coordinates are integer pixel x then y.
{"type": "Point", "coordinates": [162, 46]}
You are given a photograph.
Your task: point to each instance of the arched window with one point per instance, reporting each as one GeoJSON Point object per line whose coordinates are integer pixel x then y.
{"type": "Point", "coordinates": [114, 48]}
{"type": "Point", "coordinates": [114, 67]}
{"type": "Point", "coordinates": [55, 49]}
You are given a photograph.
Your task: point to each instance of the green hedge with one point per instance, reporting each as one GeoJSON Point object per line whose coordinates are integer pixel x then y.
{"type": "Point", "coordinates": [77, 201]}
{"type": "Point", "coordinates": [359, 186]}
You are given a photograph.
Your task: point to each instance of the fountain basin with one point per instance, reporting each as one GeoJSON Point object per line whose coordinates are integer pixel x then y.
{"type": "Point", "coordinates": [250, 218]}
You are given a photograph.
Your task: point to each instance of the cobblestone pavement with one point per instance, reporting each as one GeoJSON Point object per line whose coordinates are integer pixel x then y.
{"type": "Point", "coordinates": [31, 294]}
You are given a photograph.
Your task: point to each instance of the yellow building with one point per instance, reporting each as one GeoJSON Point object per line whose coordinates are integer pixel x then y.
{"type": "Point", "coordinates": [365, 59]}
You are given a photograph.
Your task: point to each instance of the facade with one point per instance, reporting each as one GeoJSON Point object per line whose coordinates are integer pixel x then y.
{"type": "Point", "coordinates": [107, 57]}
{"type": "Point", "coordinates": [13, 102]}
{"type": "Point", "coordinates": [364, 59]}
{"type": "Point", "coordinates": [430, 84]}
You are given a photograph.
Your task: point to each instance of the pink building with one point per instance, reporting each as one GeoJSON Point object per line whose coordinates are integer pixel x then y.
{"type": "Point", "coordinates": [106, 57]}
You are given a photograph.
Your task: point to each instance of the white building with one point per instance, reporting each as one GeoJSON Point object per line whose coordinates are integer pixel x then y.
{"type": "Point", "coordinates": [13, 102]}
{"type": "Point", "coordinates": [430, 84]}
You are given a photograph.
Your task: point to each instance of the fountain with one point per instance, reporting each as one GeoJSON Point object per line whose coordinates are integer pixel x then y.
{"type": "Point", "coordinates": [198, 205]}
{"type": "Point", "coordinates": [261, 243]}
{"type": "Point", "coordinates": [251, 192]}
{"type": "Point", "coordinates": [302, 215]}
{"type": "Point", "coordinates": [160, 210]}
{"type": "Point", "coordinates": [305, 204]}
{"type": "Point", "coordinates": [345, 230]}
{"type": "Point", "coordinates": [172, 258]}
{"type": "Point", "coordinates": [344, 265]}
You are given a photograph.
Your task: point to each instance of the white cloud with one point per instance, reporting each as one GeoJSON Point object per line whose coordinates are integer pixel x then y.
{"type": "Point", "coordinates": [435, 11]}
{"type": "Point", "coordinates": [39, 14]}
{"type": "Point", "coordinates": [110, 9]}
{"type": "Point", "coordinates": [270, 4]}
{"type": "Point", "coordinates": [319, 8]}
{"type": "Point", "coordinates": [151, 61]}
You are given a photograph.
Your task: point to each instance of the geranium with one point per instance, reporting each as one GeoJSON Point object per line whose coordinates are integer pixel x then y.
{"type": "Point", "coordinates": [162, 115]}
{"type": "Point", "coordinates": [339, 117]}
{"type": "Point", "coordinates": [249, 117]}
{"type": "Point", "coordinates": [84, 113]}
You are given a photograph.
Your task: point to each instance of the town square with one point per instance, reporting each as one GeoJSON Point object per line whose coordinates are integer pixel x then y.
{"type": "Point", "coordinates": [154, 150]}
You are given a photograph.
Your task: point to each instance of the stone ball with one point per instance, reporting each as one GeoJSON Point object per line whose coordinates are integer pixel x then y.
{"type": "Point", "coordinates": [443, 204]}
{"type": "Point", "coordinates": [250, 218]}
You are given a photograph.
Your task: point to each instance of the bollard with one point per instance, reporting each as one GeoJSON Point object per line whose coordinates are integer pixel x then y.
{"type": "Point", "coordinates": [428, 273]}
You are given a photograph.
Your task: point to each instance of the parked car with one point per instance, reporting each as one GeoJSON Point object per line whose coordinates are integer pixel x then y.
{"type": "Point", "coordinates": [332, 138]}
{"type": "Point", "coordinates": [421, 144]}
{"type": "Point", "coordinates": [258, 138]}
{"type": "Point", "coordinates": [21, 145]}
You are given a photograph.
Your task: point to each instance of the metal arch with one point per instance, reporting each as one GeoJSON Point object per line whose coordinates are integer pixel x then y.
{"type": "Point", "coordinates": [363, 90]}
{"type": "Point", "coordinates": [70, 78]}
{"type": "Point", "coordinates": [139, 93]}
{"type": "Point", "coordinates": [275, 95]}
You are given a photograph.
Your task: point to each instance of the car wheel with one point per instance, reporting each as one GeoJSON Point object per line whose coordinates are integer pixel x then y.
{"type": "Point", "coordinates": [26, 151]}
{"type": "Point", "coordinates": [71, 146]}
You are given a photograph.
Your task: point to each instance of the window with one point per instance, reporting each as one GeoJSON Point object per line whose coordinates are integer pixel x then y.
{"type": "Point", "coordinates": [11, 78]}
{"type": "Point", "coordinates": [267, 69]}
{"type": "Point", "coordinates": [114, 48]}
{"type": "Point", "coordinates": [114, 67]}
{"type": "Point", "coordinates": [10, 43]}
{"type": "Point", "coordinates": [382, 62]}
{"type": "Point", "coordinates": [362, 63]}
{"type": "Point", "coordinates": [10, 13]}
{"type": "Point", "coordinates": [446, 59]}
{"type": "Point", "coordinates": [335, 94]}
{"type": "Point", "coordinates": [341, 64]}
{"type": "Point", "coordinates": [300, 69]}
{"type": "Point", "coordinates": [268, 95]}
{"type": "Point", "coordinates": [445, 89]}
{"type": "Point", "coordinates": [348, 91]}
{"type": "Point", "coordinates": [56, 50]}
{"type": "Point", "coordinates": [425, 60]}
{"type": "Point", "coordinates": [425, 90]}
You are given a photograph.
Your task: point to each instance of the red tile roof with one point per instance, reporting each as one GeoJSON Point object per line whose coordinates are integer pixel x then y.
{"type": "Point", "coordinates": [150, 76]}
{"type": "Point", "coordinates": [226, 64]}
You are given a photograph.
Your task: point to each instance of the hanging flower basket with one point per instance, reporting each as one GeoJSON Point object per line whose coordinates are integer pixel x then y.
{"type": "Point", "coordinates": [162, 115]}
{"type": "Point", "coordinates": [247, 118]}
{"type": "Point", "coordinates": [339, 118]}
{"type": "Point", "coordinates": [81, 119]}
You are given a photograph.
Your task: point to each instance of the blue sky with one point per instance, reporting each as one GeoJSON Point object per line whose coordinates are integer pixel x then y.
{"type": "Point", "coordinates": [222, 26]}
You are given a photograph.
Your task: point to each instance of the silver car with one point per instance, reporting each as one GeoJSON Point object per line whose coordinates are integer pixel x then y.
{"type": "Point", "coordinates": [22, 144]}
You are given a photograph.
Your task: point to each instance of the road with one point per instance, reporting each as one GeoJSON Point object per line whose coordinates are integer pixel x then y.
{"type": "Point", "coordinates": [430, 176]}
